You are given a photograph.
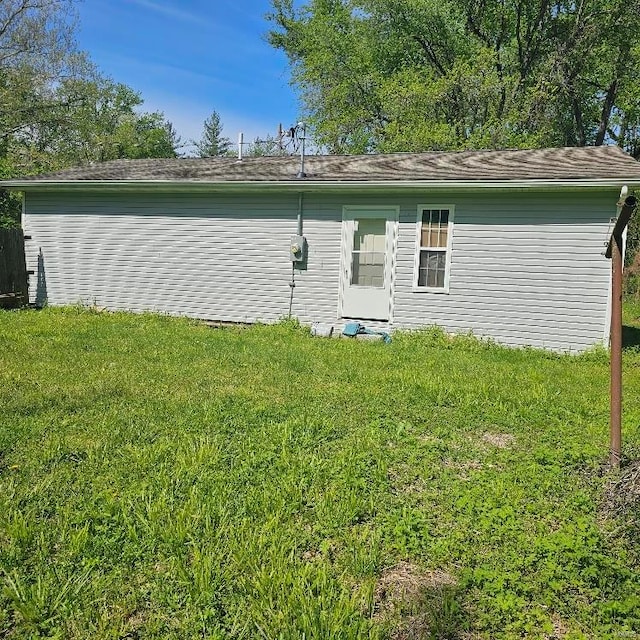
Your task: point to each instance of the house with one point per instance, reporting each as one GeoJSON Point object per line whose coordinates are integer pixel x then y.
{"type": "Point", "coordinates": [506, 244]}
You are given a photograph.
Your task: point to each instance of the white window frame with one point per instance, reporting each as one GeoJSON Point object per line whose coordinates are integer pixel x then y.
{"type": "Point", "coordinates": [446, 250]}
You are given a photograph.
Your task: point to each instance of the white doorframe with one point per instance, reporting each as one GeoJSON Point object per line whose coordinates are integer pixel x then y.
{"type": "Point", "coordinates": [351, 213]}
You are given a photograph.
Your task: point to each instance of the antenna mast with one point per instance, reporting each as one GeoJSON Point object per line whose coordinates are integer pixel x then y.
{"type": "Point", "coordinates": [240, 144]}
{"type": "Point", "coordinates": [303, 138]}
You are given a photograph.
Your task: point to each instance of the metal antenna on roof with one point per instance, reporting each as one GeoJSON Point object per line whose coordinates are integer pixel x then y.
{"type": "Point", "coordinates": [240, 143]}
{"type": "Point", "coordinates": [301, 126]}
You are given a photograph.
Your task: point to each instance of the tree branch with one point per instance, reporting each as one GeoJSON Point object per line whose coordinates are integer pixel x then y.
{"type": "Point", "coordinates": [428, 49]}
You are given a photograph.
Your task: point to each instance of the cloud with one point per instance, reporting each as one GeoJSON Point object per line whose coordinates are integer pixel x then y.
{"type": "Point", "coordinates": [172, 12]}
{"type": "Point", "coordinates": [213, 27]}
{"type": "Point", "coordinates": [140, 72]}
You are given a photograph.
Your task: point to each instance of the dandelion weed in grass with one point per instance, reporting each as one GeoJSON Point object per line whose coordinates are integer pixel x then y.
{"type": "Point", "coordinates": [160, 479]}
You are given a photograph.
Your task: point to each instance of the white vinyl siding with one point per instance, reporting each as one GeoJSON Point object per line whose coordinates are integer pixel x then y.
{"type": "Point", "coordinates": [186, 255]}
{"type": "Point", "coordinates": [525, 268]}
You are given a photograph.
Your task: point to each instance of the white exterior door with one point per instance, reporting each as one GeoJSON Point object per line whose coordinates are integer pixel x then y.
{"type": "Point", "coordinates": [368, 244]}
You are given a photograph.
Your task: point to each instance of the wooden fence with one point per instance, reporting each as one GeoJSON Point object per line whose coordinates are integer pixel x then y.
{"type": "Point", "coordinates": [13, 269]}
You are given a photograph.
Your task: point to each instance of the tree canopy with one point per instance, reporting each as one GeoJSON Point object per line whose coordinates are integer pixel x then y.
{"type": "Point", "coordinates": [402, 75]}
{"type": "Point", "coordinates": [268, 146]}
{"type": "Point", "coordinates": [105, 124]}
{"type": "Point", "coordinates": [56, 108]}
{"type": "Point", "coordinates": [212, 143]}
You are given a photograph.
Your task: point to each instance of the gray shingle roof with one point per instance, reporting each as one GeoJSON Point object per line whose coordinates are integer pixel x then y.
{"type": "Point", "coordinates": [510, 165]}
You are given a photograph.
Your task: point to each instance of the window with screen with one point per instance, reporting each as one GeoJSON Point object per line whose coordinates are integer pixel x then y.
{"type": "Point", "coordinates": [433, 253]}
{"type": "Point", "coordinates": [368, 256]}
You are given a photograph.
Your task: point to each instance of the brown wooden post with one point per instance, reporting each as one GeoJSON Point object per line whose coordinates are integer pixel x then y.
{"type": "Point", "coordinates": [614, 251]}
{"type": "Point", "coordinates": [616, 352]}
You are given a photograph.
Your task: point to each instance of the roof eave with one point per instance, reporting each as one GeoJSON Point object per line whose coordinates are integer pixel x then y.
{"type": "Point", "coordinates": [317, 185]}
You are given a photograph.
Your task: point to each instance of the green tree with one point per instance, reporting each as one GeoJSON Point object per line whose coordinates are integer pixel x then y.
{"type": "Point", "coordinates": [390, 75]}
{"type": "Point", "coordinates": [104, 123]}
{"type": "Point", "coordinates": [212, 143]}
{"type": "Point", "coordinates": [146, 135]}
{"type": "Point", "coordinates": [56, 109]}
{"type": "Point", "coordinates": [267, 146]}
{"type": "Point", "coordinates": [37, 50]}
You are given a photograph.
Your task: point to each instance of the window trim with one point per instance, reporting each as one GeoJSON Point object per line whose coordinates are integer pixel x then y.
{"type": "Point", "coordinates": [416, 258]}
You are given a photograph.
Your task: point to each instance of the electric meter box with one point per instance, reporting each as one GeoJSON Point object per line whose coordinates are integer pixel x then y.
{"type": "Point", "coordinates": [298, 249]}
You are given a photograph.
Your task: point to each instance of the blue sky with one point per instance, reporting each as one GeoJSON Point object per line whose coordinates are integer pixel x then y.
{"type": "Point", "coordinates": [190, 57]}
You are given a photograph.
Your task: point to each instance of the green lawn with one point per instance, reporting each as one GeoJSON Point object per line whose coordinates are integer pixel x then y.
{"type": "Point", "coordinates": [162, 479]}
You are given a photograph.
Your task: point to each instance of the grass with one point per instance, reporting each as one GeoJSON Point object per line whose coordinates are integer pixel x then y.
{"type": "Point", "coordinates": [161, 479]}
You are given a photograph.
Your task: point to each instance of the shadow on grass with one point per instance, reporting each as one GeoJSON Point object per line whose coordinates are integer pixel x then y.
{"type": "Point", "coordinates": [630, 337]}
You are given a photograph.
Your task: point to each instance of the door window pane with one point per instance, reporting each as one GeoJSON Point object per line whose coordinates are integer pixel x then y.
{"type": "Point", "coordinates": [369, 234]}
{"type": "Point", "coordinates": [368, 256]}
{"type": "Point", "coordinates": [367, 269]}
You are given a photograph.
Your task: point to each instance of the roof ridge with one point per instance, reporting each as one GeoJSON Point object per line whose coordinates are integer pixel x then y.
{"type": "Point", "coordinates": [561, 163]}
